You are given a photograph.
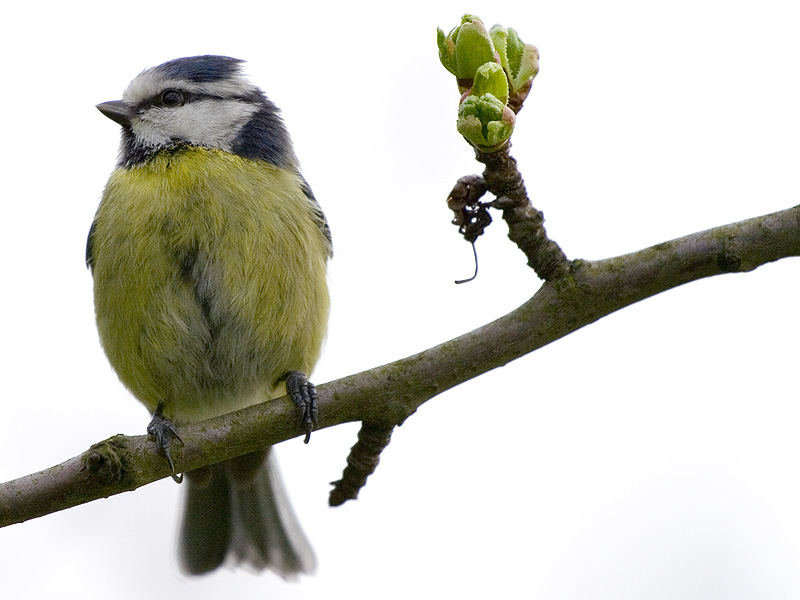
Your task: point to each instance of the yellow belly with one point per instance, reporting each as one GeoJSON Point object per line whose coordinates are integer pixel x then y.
{"type": "Point", "coordinates": [209, 280]}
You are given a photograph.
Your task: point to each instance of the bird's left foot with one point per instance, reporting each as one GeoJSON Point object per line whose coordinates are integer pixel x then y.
{"type": "Point", "coordinates": [162, 430]}
{"type": "Point", "coordinates": [304, 395]}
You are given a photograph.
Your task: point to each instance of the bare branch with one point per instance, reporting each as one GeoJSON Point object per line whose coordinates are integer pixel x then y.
{"type": "Point", "coordinates": [388, 394]}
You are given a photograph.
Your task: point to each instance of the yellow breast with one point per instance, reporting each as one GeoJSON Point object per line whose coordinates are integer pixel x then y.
{"type": "Point", "coordinates": [209, 275]}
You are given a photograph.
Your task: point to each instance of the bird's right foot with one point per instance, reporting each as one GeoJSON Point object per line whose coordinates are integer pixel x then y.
{"type": "Point", "coordinates": [163, 430]}
{"type": "Point", "coordinates": [304, 395]}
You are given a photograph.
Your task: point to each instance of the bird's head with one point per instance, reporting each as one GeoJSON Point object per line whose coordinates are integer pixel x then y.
{"type": "Point", "coordinates": [198, 101]}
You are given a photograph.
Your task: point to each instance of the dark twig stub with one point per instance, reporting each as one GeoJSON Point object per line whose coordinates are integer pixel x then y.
{"type": "Point", "coordinates": [470, 214]}
{"type": "Point", "coordinates": [361, 463]}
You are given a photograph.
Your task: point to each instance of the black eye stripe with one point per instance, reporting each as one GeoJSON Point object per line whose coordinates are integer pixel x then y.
{"type": "Point", "coordinates": [190, 97]}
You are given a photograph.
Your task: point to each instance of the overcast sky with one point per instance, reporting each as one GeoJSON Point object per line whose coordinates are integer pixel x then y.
{"type": "Point", "coordinates": [650, 455]}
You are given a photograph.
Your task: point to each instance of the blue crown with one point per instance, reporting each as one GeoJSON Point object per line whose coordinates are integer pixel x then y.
{"type": "Point", "coordinates": [201, 69]}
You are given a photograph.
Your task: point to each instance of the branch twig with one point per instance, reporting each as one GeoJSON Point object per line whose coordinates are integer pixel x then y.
{"type": "Point", "coordinates": [388, 394]}
{"type": "Point", "coordinates": [525, 223]}
{"type": "Point", "coordinates": [361, 462]}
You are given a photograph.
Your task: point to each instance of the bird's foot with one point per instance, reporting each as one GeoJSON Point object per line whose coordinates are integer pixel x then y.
{"type": "Point", "coordinates": [162, 430]}
{"type": "Point", "coordinates": [304, 395]}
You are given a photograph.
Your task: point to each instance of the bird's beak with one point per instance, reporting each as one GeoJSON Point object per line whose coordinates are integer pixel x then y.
{"type": "Point", "coordinates": [117, 110]}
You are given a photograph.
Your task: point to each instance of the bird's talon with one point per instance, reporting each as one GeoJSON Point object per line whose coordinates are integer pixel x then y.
{"type": "Point", "coordinates": [304, 395]}
{"type": "Point", "coordinates": [162, 429]}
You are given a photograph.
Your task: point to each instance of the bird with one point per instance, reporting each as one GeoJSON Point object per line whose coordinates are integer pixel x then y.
{"type": "Point", "coordinates": [209, 253]}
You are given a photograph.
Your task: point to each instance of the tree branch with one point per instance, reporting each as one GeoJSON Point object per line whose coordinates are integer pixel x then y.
{"type": "Point", "coordinates": [390, 393]}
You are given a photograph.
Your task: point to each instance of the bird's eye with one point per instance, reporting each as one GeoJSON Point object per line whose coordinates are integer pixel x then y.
{"type": "Point", "coordinates": [171, 98]}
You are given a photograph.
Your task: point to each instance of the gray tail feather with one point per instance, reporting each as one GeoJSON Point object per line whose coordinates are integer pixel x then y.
{"type": "Point", "coordinates": [240, 509]}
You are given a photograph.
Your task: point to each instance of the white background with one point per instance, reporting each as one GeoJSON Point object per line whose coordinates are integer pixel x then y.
{"type": "Point", "coordinates": [652, 455]}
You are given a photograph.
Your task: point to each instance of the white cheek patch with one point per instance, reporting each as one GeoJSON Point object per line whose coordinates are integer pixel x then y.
{"type": "Point", "coordinates": [210, 123]}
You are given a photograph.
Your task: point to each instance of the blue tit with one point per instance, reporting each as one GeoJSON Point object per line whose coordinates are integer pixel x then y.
{"type": "Point", "coordinates": [209, 254]}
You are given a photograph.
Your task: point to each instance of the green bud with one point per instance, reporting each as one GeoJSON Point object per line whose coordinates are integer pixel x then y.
{"type": "Point", "coordinates": [499, 35]}
{"type": "Point", "coordinates": [447, 50]}
{"type": "Point", "coordinates": [485, 121]}
{"type": "Point", "coordinates": [466, 48]}
{"type": "Point", "coordinates": [520, 60]}
{"type": "Point", "coordinates": [491, 79]}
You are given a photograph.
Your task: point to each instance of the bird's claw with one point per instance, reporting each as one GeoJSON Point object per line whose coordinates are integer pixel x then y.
{"type": "Point", "coordinates": [162, 429]}
{"type": "Point", "coordinates": [304, 395]}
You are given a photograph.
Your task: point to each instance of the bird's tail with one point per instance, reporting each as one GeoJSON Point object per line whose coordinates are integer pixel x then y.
{"type": "Point", "coordinates": [239, 509]}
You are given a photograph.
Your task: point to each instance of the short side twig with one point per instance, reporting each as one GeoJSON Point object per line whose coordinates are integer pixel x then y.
{"type": "Point", "coordinates": [361, 462]}
{"type": "Point", "coordinates": [525, 223]}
